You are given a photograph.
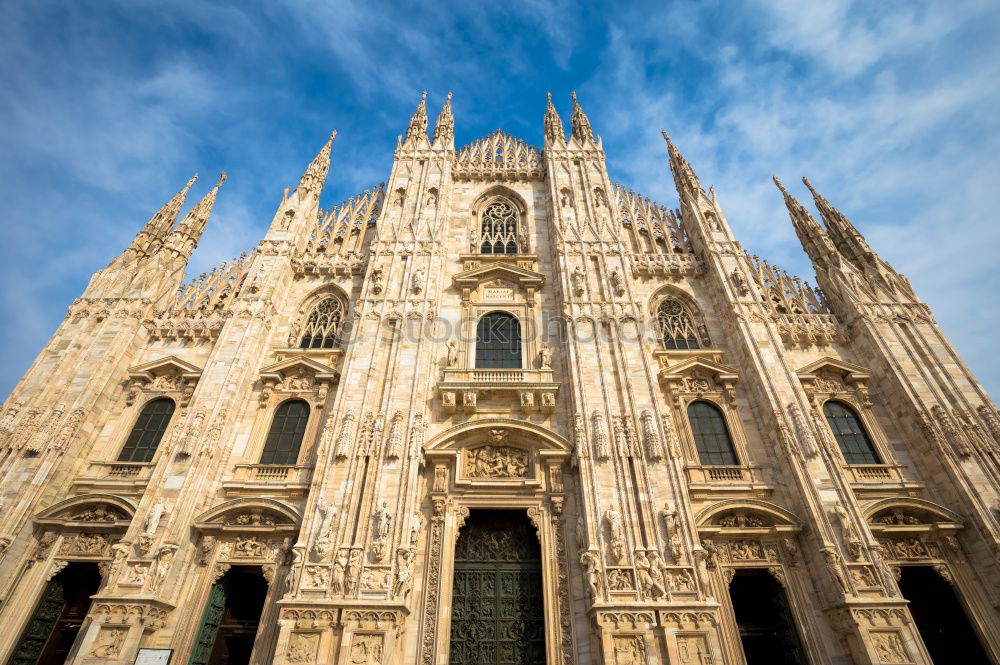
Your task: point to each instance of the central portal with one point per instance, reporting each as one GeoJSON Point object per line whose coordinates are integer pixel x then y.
{"type": "Point", "coordinates": [498, 614]}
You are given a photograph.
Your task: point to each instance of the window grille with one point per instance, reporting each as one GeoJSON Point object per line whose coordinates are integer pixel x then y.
{"type": "Point", "coordinates": [711, 436]}
{"type": "Point", "coordinates": [676, 326]}
{"type": "Point", "coordinates": [854, 443]}
{"type": "Point", "coordinates": [323, 325]}
{"type": "Point", "coordinates": [147, 431]}
{"type": "Point", "coordinates": [498, 232]}
{"type": "Point", "coordinates": [498, 341]}
{"type": "Point", "coordinates": [285, 436]}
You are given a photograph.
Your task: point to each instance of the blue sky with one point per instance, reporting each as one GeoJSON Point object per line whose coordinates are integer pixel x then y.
{"type": "Point", "coordinates": [890, 108]}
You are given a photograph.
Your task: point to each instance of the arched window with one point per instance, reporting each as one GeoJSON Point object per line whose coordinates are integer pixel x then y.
{"type": "Point", "coordinates": [854, 443]}
{"type": "Point", "coordinates": [147, 431]}
{"type": "Point", "coordinates": [498, 230]}
{"type": "Point", "coordinates": [676, 326]}
{"type": "Point", "coordinates": [711, 436]}
{"type": "Point", "coordinates": [323, 324]}
{"type": "Point", "coordinates": [498, 341]}
{"type": "Point", "coordinates": [285, 436]}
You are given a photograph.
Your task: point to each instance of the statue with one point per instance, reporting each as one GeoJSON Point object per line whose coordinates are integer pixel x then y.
{"type": "Point", "coordinates": [404, 572]}
{"type": "Point", "coordinates": [579, 278]}
{"type": "Point", "coordinates": [452, 353]}
{"type": "Point", "coordinates": [381, 522]}
{"type": "Point", "coordinates": [546, 356]}
{"type": "Point", "coordinates": [617, 282]}
{"type": "Point", "coordinates": [590, 564]}
{"type": "Point", "coordinates": [153, 517]}
{"type": "Point", "coordinates": [614, 519]}
{"type": "Point", "coordinates": [337, 580]}
{"type": "Point", "coordinates": [353, 572]}
{"type": "Point", "coordinates": [417, 281]}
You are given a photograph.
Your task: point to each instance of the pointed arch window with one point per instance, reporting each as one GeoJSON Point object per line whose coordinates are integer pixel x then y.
{"type": "Point", "coordinates": [284, 439]}
{"type": "Point", "coordinates": [498, 228]}
{"type": "Point", "coordinates": [498, 341]}
{"type": "Point", "coordinates": [854, 443]}
{"type": "Point", "coordinates": [711, 436]}
{"type": "Point", "coordinates": [677, 330]}
{"type": "Point", "coordinates": [323, 325]}
{"type": "Point", "coordinates": [148, 431]}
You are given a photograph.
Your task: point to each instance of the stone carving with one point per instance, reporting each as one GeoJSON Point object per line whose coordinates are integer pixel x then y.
{"type": "Point", "coordinates": [337, 577]}
{"type": "Point", "coordinates": [108, 643]}
{"type": "Point", "coordinates": [394, 444]}
{"type": "Point", "coordinates": [352, 573]}
{"type": "Point", "coordinates": [161, 568]}
{"type": "Point", "coordinates": [375, 579]}
{"type": "Point", "coordinates": [592, 573]}
{"type": "Point", "coordinates": [324, 539]}
{"type": "Point", "coordinates": [452, 353]}
{"type": "Point", "coordinates": [889, 647]}
{"type": "Point", "coordinates": [674, 543]}
{"type": "Point", "coordinates": [153, 517]}
{"type": "Point", "coordinates": [404, 571]}
{"type": "Point", "coordinates": [302, 648]}
{"type": "Point", "coordinates": [579, 279]}
{"type": "Point", "coordinates": [496, 462]}
{"type": "Point", "coordinates": [834, 565]}
{"type": "Point", "coordinates": [249, 548]}
{"type": "Point", "coordinates": [851, 539]}
{"type": "Point", "coordinates": [98, 513]}
{"type": "Point", "coordinates": [746, 550]}
{"type": "Point", "coordinates": [545, 357]}
{"type": "Point", "coordinates": [629, 650]}
{"type": "Point", "coordinates": [613, 518]}
{"type": "Point", "coordinates": [602, 450]}
{"type": "Point", "coordinates": [346, 435]}
{"type": "Point", "coordinates": [366, 649]}
{"type": "Point", "coordinates": [620, 579]}
{"type": "Point", "coordinates": [316, 577]}
{"type": "Point", "coordinates": [654, 447]}
{"type": "Point", "coordinates": [649, 585]}
{"type": "Point", "coordinates": [417, 281]}
{"type": "Point", "coordinates": [377, 281]}
{"type": "Point", "coordinates": [740, 519]}
{"type": "Point", "coordinates": [381, 523]}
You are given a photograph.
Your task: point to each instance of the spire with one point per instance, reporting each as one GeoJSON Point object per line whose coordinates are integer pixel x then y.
{"type": "Point", "coordinates": [418, 121]}
{"type": "Point", "coordinates": [161, 222]}
{"type": "Point", "coordinates": [685, 179]}
{"type": "Point", "coordinates": [315, 174]}
{"type": "Point", "coordinates": [581, 125]}
{"type": "Point", "coordinates": [847, 238]}
{"type": "Point", "coordinates": [814, 239]}
{"type": "Point", "coordinates": [553, 123]}
{"type": "Point", "coordinates": [444, 128]}
{"type": "Point", "coordinates": [184, 237]}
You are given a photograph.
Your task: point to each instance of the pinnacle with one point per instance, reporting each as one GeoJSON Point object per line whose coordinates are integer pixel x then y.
{"type": "Point", "coordinates": [222, 178]}
{"type": "Point", "coordinates": [778, 183]}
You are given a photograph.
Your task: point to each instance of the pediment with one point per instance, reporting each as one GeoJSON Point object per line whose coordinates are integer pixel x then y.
{"type": "Point", "coordinates": [849, 371]}
{"type": "Point", "coordinates": [909, 513]}
{"type": "Point", "coordinates": [90, 511]}
{"type": "Point", "coordinates": [700, 366]}
{"type": "Point", "coordinates": [299, 365]}
{"type": "Point", "coordinates": [522, 277]}
{"type": "Point", "coordinates": [244, 515]}
{"type": "Point", "coordinates": [746, 514]}
{"type": "Point", "coordinates": [170, 366]}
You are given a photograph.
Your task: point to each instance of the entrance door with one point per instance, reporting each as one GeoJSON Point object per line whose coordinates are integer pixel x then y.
{"type": "Point", "coordinates": [767, 630]}
{"type": "Point", "coordinates": [940, 618]}
{"type": "Point", "coordinates": [53, 627]}
{"type": "Point", "coordinates": [497, 610]}
{"type": "Point", "coordinates": [232, 614]}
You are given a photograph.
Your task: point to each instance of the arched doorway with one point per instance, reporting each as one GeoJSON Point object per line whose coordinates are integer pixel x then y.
{"type": "Point", "coordinates": [60, 612]}
{"type": "Point", "coordinates": [939, 617]}
{"type": "Point", "coordinates": [231, 618]}
{"type": "Point", "coordinates": [764, 618]}
{"type": "Point", "coordinates": [497, 599]}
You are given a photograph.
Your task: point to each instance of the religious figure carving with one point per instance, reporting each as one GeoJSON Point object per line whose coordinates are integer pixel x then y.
{"type": "Point", "coordinates": [417, 281]}
{"type": "Point", "coordinates": [617, 282]}
{"type": "Point", "coordinates": [338, 575]}
{"type": "Point", "coordinates": [353, 573]}
{"type": "Point", "coordinates": [452, 354]}
{"type": "Point", "coordinates": [545, 357]}
{"type": "Point", "coordinates": [496, 462]}
{"type": "Point", "coordinates": [592, 573]}
{"type": "Point", "coordinates": [404, 571]}
{"type": "Point", "coordinates": [579, 279]}
{"type": "Point", "coordinates": [615, 527]}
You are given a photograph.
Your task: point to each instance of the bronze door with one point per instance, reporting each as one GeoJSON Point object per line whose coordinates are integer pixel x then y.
{"type": "Point", "coordinates": [497, 607]}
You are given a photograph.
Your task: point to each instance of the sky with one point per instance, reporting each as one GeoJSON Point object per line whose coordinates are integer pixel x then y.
{"type": "Point", "coordinates": [890, 109]}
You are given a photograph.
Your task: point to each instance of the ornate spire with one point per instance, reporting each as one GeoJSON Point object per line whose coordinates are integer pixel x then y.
{"type": "Point", "coordinates": [685, 179]}
{"type": "Point", "coordinates": [315, 175]}
{"type": "Point", "coordinates": [812, 236]}
{"type": "Point", "coordinates": [184, 237]}
{"type": "Point", "coordinates": [444, 128]}
{"type": "Point", "coordinates": [581, 125]}
{"type": "Point", "coordinates": [418, 122]}
{"type": "Point", "coordinates": [553, 123]}
{"type": "Point", "coordinates": [161, 222]}
{"type": "Point", "coordinates": [847, 238]}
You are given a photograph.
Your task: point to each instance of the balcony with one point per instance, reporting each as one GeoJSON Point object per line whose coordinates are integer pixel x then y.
{"type": "Point", "coordinates": [533, 389]}
{"type": "Point", "coordinates": [255, 479]}
{"type": "Point", "coordinates": [875, 479]}
{"type": "Point", "coordinates": [116, 477]}
{"type": "Point", "coordinates": [714, 481]}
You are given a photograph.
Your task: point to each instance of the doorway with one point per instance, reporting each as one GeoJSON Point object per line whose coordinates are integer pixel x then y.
{"type": "Point", "coordinates": [498, 613]}
{"type": "Point", "coordinates": [231, 618]}
{"type": "Point", "coordinates": [52, 629]}
{"type": "Point", "coordinates": [764, 618]}
{"type": "Point", "coordinates": [940, 618]}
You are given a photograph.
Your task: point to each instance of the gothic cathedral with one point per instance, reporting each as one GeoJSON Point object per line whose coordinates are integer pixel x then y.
{"type": "Point", "coordinates": [499, 411]}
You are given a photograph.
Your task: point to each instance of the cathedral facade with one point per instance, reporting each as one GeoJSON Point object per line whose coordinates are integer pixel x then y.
{"type": "Point", "coordinates": [499, 410]}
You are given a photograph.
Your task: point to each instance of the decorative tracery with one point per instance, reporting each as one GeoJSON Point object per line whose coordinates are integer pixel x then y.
{"type": "Point", "coordinates": [323, 325]}
{"type": "Point", "coordinates": [498, 228]}
{"type": "Point", "coordinates": [677, 329]}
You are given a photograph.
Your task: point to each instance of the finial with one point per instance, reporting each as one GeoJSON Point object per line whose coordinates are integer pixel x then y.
{"type": "Point", "coordinates": [806, 181]}
{"type": "Point", "coordinates": [191, 181]}
{"type": "Point", "coordinates": [778, 183]}
{"type": "Point", "coordinates": [222, 178]}
{"type": "Point", "coordinates": [423, 96]}
{"type": "Point", "coordinates": [333, 135]}
{"type": "Point", "coordinates": [573, 95]}
{"type": "Point", "coordinates": [666, 137]}
{"type": "Point", "coordinates": [548, 97]}
{"type": "Point", "coordinates": [448, 98]}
